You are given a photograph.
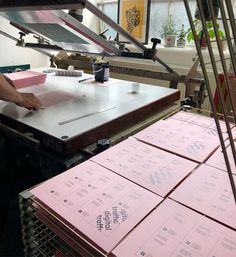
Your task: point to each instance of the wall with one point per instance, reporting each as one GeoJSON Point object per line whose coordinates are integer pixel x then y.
{"type": "Point", "coordinates": [13, 55]}
{"type": "Point", "coordinates": [90, 20]}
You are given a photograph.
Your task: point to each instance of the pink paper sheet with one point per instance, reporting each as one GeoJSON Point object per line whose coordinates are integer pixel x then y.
{"type": "Point", "coordinates": [54, 97]}
{"type": "Point", "coordinates": [200, 120]}
{"type": "Point", "coordinates": [25, 78]}
{"type": "Point", "coordinates": [152, 168]}
{"type": "Point", "coordinates": [185, 139]}
{"type": "Point", "coordinates": [208, 190]}
{"type": "Point", "coordinates": [181, 115]}
{"type": "Point", "coordinates": [173, 230]}
{"type": "Point", "coordinates": [97, 202]}
{"type": "Point", "coordinates": [217, 159]}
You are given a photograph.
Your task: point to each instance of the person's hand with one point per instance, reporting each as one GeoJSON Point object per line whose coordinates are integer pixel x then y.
{"type": "Point", "coordinates": [28, 100]}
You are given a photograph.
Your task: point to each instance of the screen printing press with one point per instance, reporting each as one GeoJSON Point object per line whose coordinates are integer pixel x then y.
{"type": "Point", "coordinates": [163, 192]}
{"type": "Point", "coordinates": [77, 112]}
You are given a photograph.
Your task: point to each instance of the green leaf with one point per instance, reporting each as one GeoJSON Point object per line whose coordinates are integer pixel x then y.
{"type": "Point", "coordinates": [221, 34]}
{"type": "Point", "coordinates": [211, 33]}
{"type": "Point", "coordinates": [190, 36]}
{"type": "Point", "coordinates": [209, 25]}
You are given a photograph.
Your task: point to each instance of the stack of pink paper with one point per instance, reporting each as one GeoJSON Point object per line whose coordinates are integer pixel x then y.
{"type": "Point", "coordinates": [25, 78]}
{"type": "Point", "coordinates": [150, 167]}
{"type": "Point", "coordinates": [208, 191]}
{"type": "Point", "coordinates": [99, 206]}
{"type": "Point", "coordinates": [173, 230]}
{"type": "Point", "coordinates": [183, 138]}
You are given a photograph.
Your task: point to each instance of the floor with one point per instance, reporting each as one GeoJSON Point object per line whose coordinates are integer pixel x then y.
{"type": "Point", "coordinates": [13, 180]}
{"type": "Point", "coordinates": [10, 237]}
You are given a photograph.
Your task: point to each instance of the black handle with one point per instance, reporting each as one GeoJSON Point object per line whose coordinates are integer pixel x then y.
{"type": "Point", "coordinates": [155, 41]}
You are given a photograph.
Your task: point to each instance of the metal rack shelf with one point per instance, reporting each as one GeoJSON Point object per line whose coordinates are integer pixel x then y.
{"type": "Point", "coordinates": [219, 66]}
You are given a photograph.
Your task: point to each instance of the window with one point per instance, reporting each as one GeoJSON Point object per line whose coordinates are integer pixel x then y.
{"type": "Point", "coordinates": [110, 8]}
{"type": "Point", "coordinates": [160, 10]}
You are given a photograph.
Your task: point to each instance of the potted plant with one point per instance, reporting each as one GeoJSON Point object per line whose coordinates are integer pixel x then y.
{"type": "Point", "coordinates": [200, 32]}
{"type": "Point", "coordinates": [181, 37]}
{"type": "Point", "coordinates": [168, 32]}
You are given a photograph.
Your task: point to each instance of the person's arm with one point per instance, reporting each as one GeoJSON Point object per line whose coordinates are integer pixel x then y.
{"type": "Point", "coordinates": [10, 94]}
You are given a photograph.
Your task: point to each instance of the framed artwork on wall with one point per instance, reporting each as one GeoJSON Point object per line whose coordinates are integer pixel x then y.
{"type": "Point", "coordinates": [133, 16]}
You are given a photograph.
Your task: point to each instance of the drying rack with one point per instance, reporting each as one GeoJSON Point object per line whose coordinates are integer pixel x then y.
{"type": "Point", "coordinates": [219, 66]}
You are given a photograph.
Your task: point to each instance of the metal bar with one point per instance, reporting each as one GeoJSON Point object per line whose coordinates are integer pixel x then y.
{"type": "Point", "coordinates": [207, 83]}
{"type": "Point", "coordinates": [201, 11]}
{"type": "Point", "coordinates": [230, 10]}
{"type": "Point", "coordinates": [16, 39]}
{"type": "Point", "coordinates": [230, 46]}
{"type": "Point", "coordinates": [230, 174]}
{"type": "Point", "coordinates": [222, 58]}
{"type": "Point", "coordinates": [147, 73]}
{"type": "Point", "coordinates": [84, 116]}
{"type": "Point", "coordinates": [227, 32]}
{"type": "Point", "coordinates": [218, 60]}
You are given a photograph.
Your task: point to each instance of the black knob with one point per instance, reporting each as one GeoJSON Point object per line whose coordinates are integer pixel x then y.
{"type": "Point", "coordinates": [102, 144]}
{"type": "Point", "coordinates": [22, 34]}
{"type": "Point", "coordinates": [155, 41]}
